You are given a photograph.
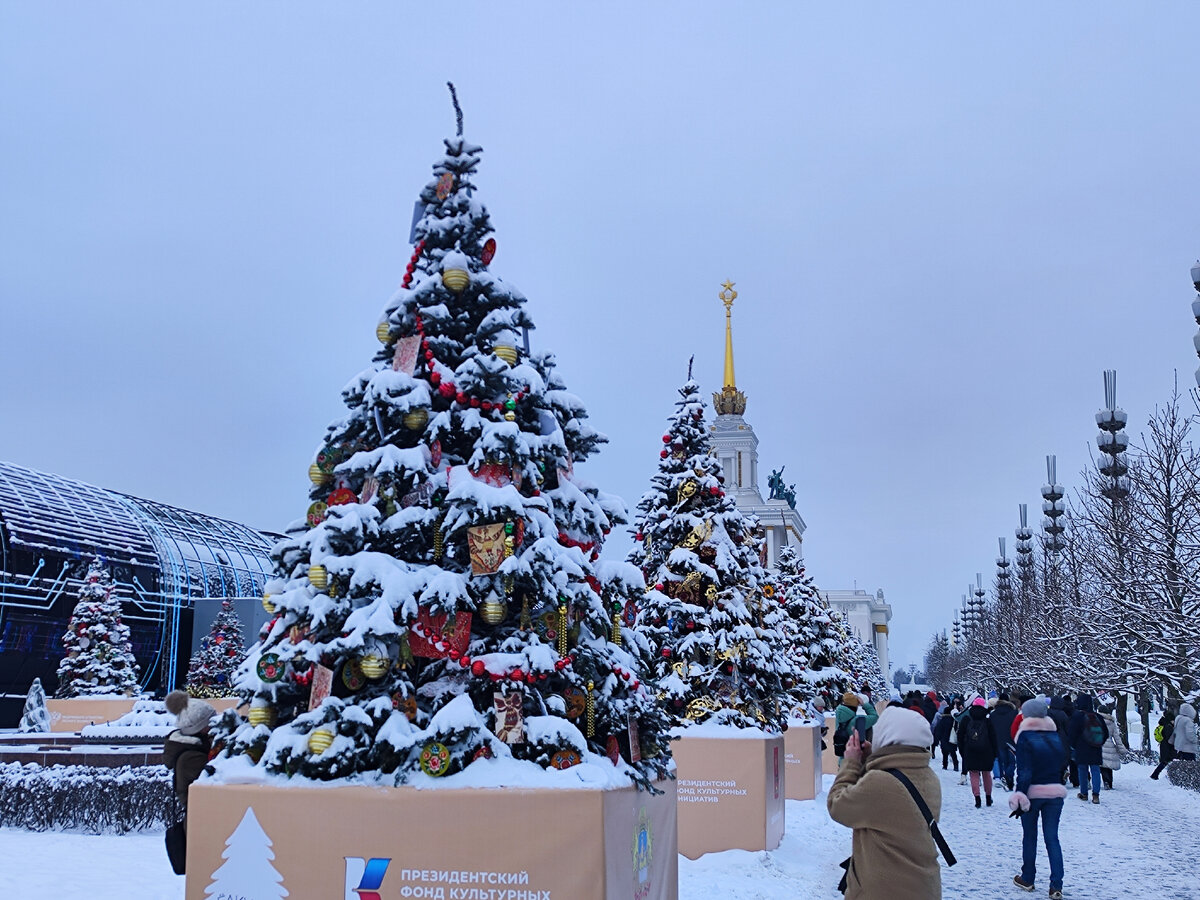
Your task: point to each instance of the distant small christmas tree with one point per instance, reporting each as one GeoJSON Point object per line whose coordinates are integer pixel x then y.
{"type": "Point", "coordinates": [862, 664]}
{"type": "Point", "coordinates": [35, 718]}
{"type": "Point", "coordinates": [718, 657]}
{"type": "Point", "coordinates": [247, 870]}
{"type": "Point", "coordinates": [99, 657]}
{"type": "Point", "coordinates": [813, 639]}
{"type": "Point", "coordinates": [210, 673]}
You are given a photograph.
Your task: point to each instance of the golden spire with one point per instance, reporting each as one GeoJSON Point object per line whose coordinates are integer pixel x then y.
{"type": "Point", "coordinates": [728, 295]}
{"type": "Point", "coordinates": [730, 401]}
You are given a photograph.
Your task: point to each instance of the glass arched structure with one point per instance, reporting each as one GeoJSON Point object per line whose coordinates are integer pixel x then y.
{"type": "Point", "coordinates": [170, 568]}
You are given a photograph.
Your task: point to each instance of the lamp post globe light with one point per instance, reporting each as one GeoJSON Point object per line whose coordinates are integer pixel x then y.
{"type": "Point", "coordinates": [1112, 440]}
{"type": "Point", "coordinates": [1025, 546]}
{"type": "Point", "coordinates": [1054, 507]}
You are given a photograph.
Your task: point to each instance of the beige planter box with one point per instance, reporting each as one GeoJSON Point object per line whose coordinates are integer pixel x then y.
{"type": "Point", "coordinates": [368, 843]}
{"type": "Point", "coordinates": [802, 749]}
{"type": "Point", "coordinates": [72, 715]}
{"type": "Point", "coordinates": [829, 761]}
{"type": "Point", "coordinates": [731, 793]}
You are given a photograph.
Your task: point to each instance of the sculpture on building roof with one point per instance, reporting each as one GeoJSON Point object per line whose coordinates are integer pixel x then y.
{"type": "Point", "coordinates": [778, 490]}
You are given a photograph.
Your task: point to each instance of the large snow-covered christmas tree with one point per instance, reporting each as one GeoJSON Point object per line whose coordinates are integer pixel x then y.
{"type": "Point", "coordinates": [99, 658]}
{"type": "Point", "coordinates": [210, 672]}
{"type": "Point", "coordinates": [443, 603]}
{"type": "Point", "coordinates": [814, 642]}
{"type": "Point", "coordinates": [718, 656]}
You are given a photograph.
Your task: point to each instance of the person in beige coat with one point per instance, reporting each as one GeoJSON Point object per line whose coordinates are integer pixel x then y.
{"type": "Point", "coordinates": [893, 856]}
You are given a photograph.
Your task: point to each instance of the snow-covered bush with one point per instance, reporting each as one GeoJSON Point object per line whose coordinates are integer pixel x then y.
{"type": "Point", "coordinates": [85, 798]}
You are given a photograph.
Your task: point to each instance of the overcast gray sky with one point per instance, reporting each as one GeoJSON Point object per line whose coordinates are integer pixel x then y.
{"type": "Point", "coordinates": [944, 221]}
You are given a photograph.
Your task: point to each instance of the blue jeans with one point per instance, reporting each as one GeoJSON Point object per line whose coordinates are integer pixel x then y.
{"type": "Point", "coordinates": [1086, 770]}
{"type": "Point", "coordinates": [1051, 812]}
{"type": "Point", "coordinates": [1006, 763]}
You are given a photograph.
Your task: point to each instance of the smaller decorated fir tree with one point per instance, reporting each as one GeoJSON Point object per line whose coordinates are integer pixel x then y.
{"type": "Point", "coordinates": [814, 639]}
{"type": "Point", "coordinates": [210, 673]}
{"type": "Point", "coordinates": [99, 658]}
{"type": "Point", "coordinates": [718, 653]}
{"type": "Point", "coordinates": [35, 718]}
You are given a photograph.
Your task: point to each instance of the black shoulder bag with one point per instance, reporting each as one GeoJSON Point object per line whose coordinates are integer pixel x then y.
{"type": "Point", "coordinates": [176, 836]}
{"type": "Point", "coordinates": [929, 819]}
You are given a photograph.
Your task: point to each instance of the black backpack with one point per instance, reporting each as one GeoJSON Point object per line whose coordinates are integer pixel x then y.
{"type": "Point", "coordinates": [977, 735]}
{"type": "Point", "coordinates": [841, 735]}
{"type": "Point", "coordinates": [1093, 730]}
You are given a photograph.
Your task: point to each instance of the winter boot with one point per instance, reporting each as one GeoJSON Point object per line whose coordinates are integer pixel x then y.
{"type": "Point", "coordinates": [963, 780]}
{"type": "Point", "coordinates": [1055, 894]}
{"type": "Point", "coordinates": [1021, 884]}
{"type": "Point", "coordinates": [979, 803]}
{"type": "Point", "coordinates": [1095, 798]}
{"type": "Point", "coordinates": [1008, 783]}
{"type": "Point", "coordinates": [1081, 795]}
{"type": "Point", "coordinates": [989, 799]}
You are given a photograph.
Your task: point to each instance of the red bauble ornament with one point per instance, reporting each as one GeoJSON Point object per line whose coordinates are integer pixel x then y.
{"type": "Point", "coordinates": [517, 675]}
{"type": "Point", "coordinates": [489, 251]}
{"type": "Point", "coordinates": [435, 378]}
{"type": "Point", "coordinates": [715, 491]}
{"type": "Point", "coordinates": [496, 676]}
{"type": "Point", "coordinates": [662, 454]}
{"type": "Point", "coordinates": [428, 356]}
{"type": "Point", "coordinates": [475, 403]}
{"type": "Point", "coordinates": [666, 652]}
{"type": "Point", "coordinates": [639, 537]}
{"type": "Point", "coordinates": [460, 397]}
{"type": "Point", "coordinates": [464, 661]}
{"type": "Point", "coordinates": [666, 439]}
{"type": "Point", "coordinates": [454, 654]}
{"type": "Point", "coordinates": [478, 668]}
{"type": "Point", "coordinates": [486, 406]}
{"type": "Point", "coordinates": [341, 497]}
{"type": "Point", "coordinates": [659, 586]}
{"type": "Point", "coordinates": [446, 389]}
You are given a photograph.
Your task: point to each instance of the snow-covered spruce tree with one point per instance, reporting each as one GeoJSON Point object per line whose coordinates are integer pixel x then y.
{"type": "Point", "coordinates": [35, 718]}
{"type": "Point", "coordinates": [210, 672]}
{"type": "Point", "coordinates": [99, 659]}
{"type": "Point", "coordinates": [862, 665]}
{"type": "Point", "coordinates": [813, 641]}
{"type": "Point", "coordinates": [446, 579]}
{"type": "Point", "coordinates": [714, 661]}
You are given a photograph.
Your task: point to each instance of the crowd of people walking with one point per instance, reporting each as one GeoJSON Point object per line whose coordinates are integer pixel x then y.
{"type": "Point", "coordinates": [1032, 747]}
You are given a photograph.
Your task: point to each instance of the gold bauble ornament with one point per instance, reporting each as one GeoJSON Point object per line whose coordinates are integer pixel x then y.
{"type": "Point", "coordinates": [320, 740]}
{"type": "Point", "coordinates": [383, 331]}
{"type": "Point", "coordinates": [373, 666]}
{"type": "Point", "coordinates": [318, 577]}
{"type": "Point", "coordinates": [416, 420]}
{"type": "Point", "coordinates": [510, 416]}
{"type": "Point", "coordinates": [317, 475]}
{"type": "Point", "coordinates": [493, 611]}
{"type": "Point", "coordinates": [456, 279]}
{"type": "Point", "coordinates": [268, 604]}
{"type": "Point", "coordinates": [506, 352]}
{"type": "Point", "coordinates": [261, 715]}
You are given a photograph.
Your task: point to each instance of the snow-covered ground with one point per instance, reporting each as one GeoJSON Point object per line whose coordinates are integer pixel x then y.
{"type": "Point", "coordinates": [1138, 841]}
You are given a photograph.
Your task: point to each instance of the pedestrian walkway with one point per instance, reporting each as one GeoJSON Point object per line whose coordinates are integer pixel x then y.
{"type": "Point", "coordinates": [1139, 841]}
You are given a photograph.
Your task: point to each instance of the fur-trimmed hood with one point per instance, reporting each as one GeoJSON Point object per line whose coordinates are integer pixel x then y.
{"type": "Point", "coordinates": [1039, 724]}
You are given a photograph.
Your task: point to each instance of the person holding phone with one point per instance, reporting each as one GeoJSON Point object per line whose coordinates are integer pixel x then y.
{"type": "Point", "coordinates": [893, 856]}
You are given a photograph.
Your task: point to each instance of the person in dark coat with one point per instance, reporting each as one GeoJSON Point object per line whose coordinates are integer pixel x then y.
{"type": "Point", "coordinates": [942, 730]}
{"type": "Point", "coordinates": [1166, 749]}
{"type": "Point", "coordinates": [1039, 794]}
{"type": "Point", "coordinates": [1060, 716]}
{"type": "Point", "coordinates": [929, 706]}
{"type": "Point", "coordinates": [977, 743]}
{"type": "Point", "coordinates": [1083, 729]}
{"type": "Point", "coordinates": [1002, 719]}
{"type": "Point", "coordinates": [185, 751]}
